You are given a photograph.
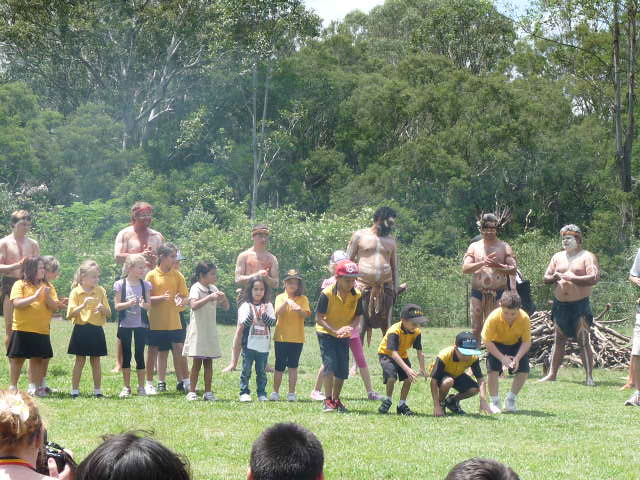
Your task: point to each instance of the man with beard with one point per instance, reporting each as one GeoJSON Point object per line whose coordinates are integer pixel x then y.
{"type": "Point", "coordinates": [15, 248]}
{"type": "Point", "coordinates": [374, 250]}
{"type": "Point", "coordinates": [137, 238]}
{"type": "Point", "coordinates": [491, 262]}
{"type": "Point", "coordinates": [256, 261]}
{"type": "Point", "coordinates": [574, 272]}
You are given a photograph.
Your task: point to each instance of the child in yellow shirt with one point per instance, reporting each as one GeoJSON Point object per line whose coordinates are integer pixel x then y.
{"type": "Point", "coordinates": [88, 309]}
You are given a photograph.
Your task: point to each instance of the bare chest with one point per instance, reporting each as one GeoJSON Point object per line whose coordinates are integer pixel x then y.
{"type": "Point", "coordinates": [257, 261]}
{"type": "Point", "coordinates": [576, 264]}
{"type": "Point", "coordinates": [370, 245]}
{"type": "Point", "coordinates": [480, 252]}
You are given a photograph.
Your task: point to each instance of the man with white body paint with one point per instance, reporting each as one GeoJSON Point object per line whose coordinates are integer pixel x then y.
{"type": "Point", "coordinates": [574, 272]}
{"type": "Point", "coordinates": [491, 263]}
{"type": "Point", "coordinates": [374, 250]}
{"type": "Point", "coordinates": [634, 367]}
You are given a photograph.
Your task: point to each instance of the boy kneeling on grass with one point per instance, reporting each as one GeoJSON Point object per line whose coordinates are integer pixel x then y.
{"type": "Point", "coordinates": [448, 371]}
{"type": "Point", "coordinates": [394, 356]}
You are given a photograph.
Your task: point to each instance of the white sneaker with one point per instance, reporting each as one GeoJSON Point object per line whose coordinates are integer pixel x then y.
{"type": "Point", "coordinates": [245, 397]}
{"type": "Point", "coordinates": [142, 392]}
{"type": "Point", "coordinates": [495, 406]}
{"type": "Point", "coordinates": [292, 397]}
{"type": "Point", "coordinates": [32, 391]}
{"type": "Point", "coordinates": [149, 389]}
{"type": "Point", "coordinates": [191, 396]}
{"type": "Point", "coordinates": [274, 397]}
{"type": "Point", "coordinates": [510, 405]}
{"type": "Point", "coordinates": [317, 395]}
{"type": "Point", "coordinates": [262, 398]}
{"type": "Point", "coordinates": [125, 393]}
{"type": "Point", "coordinates": [209, 397]}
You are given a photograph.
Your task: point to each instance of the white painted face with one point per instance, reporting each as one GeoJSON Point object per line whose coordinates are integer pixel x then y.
{"type": "Point", "coordinates": [569, 242]}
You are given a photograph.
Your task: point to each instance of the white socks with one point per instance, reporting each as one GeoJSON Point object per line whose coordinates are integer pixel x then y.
{"type": "Point", "coordinates": [511, 396]}
{"type": "Point", "coordinates": [402, 402]}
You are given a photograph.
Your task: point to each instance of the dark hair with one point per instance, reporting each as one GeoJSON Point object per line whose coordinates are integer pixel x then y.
{"type": "Point", "coordinates": [286, 451]}
{"type": "Point", "coordinates": [202, 268]}
{"type": "Point", "coordinates": [132, 455]}
{"type": "Point", "coordinates": [18, 216]}
{"type": "Point", "coordinates": [248, 295]}
{"type": "Point", "coordinates": [300, 290]}
{"type": "Point", "coordinates": [166, 250]}
{"type": "Point", "coordinates": [488, 218]}
{"type": "Point", "coordinates": [510, 299]}
{"type": "Point", "coordinates": [481, 469]}
{"type": "Point", "coordinates": [383, 213]}
{"type": "Point", "coordinates": [30, 269]}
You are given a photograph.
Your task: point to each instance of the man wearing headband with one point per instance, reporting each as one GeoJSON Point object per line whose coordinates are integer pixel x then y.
{"type": "Point", "coordinates": [255, 261]}
{"type": "Point", "coordinates": [374, 250]}
{"type": "Point", "coordinates": [574, 272]}
{"type": "Point", "coordinates": [491, 263]}
{"type": "Point", "coordinates": [137, 238]}
{"type": "Point", "coordinates": [15, 248]}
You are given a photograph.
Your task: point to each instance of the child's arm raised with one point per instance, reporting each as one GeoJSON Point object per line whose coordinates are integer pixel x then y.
{"type": "Point", "coordinates": [52, 303]}
{"type": "Point", "coordinates": [103, 307]}
{"type": "Point", "coordinates": [268, 316]}
{"type": "Point", "coordinates": [22, 302]}
{"type": "Point", "coordinates": [74, 309]}
{"type": "Point", "coordinates": [119, 304]}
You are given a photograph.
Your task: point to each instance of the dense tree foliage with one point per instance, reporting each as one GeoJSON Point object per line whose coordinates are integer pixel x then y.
{"type": "Point", "coordinates": [439, 108]}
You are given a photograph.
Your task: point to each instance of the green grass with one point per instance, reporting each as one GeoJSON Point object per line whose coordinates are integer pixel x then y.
{"type": "Point", "coordinates": [563, 430]}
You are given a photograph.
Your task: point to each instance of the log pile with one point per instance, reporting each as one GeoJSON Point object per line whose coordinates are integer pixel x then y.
{"type": "Point", "coordinates": [611, 349]}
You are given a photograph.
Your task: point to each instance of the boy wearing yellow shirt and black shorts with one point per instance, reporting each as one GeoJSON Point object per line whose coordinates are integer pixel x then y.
{"type": "Point", "coordinates": [448, 371]}
{"type": "Point", "coordinates": [393, 354]}
{"type": "Point", "coordinates": [507, 335]}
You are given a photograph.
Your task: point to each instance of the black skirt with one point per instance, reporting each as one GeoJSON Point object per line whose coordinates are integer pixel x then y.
{"type": "Point", "coordinates": [88, 341]}
{"type": "Point", "coordinates": [29, 344]}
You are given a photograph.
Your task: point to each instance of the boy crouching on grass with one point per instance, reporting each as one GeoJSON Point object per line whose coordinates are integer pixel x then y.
{"type": "Point", "coordinates": [394, 356]}
{"type": "Point", "coordinates": [507, 335]}
{"type": "Point", "coordinates": [448, 371]}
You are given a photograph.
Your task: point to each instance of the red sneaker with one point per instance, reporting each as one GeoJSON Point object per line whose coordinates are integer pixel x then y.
{"type": "Point", "coordinates": [340, 406]}
{"type": "Point", "coordinates": [328, 405]}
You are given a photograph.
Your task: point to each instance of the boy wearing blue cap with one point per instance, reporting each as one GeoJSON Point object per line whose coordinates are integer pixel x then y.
{"type": "Point", "coordinates": [448, 371]}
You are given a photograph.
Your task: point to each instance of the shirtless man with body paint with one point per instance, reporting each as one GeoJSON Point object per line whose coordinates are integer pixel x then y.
{"type": "Point", "coordinates": [492, 264]}
{"type": "Point", "coordinates": [574, 272]}
{"type": "Point", "coordinates": [137, 238]}
{"type": "Point", "coordinates": [15, 248]}
{"type": "Point", "coordinates": [255, 261]}
{"type": "Point", "coordinates": [374, 250]}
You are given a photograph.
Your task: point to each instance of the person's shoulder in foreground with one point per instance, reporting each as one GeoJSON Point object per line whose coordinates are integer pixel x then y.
{"type": "Point", "coordinates": [286, 451]}
{"type": "Point", "coordinates": [481, 469]}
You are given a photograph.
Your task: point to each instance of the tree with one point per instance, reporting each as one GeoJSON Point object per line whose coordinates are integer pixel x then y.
{"type": "Point", "coordinates": [136, 56]}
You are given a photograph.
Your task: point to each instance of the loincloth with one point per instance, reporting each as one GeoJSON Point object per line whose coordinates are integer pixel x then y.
{"type": "Point", "coordinates": [377, 302]}
{"type": "Point", "coordinates": [7, 285]}
{"type": "Point", "coordinates": [489, 299]}
{"type": "Point", "coordinates": [567, 315]}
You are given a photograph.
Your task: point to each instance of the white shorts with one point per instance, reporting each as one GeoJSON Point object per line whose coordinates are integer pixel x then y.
{"type": "Point", "coordinates": [635, 349]}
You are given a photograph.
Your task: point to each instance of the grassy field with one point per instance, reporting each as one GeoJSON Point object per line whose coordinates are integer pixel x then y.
{"type": "Point", "coordinates": [563, 429]}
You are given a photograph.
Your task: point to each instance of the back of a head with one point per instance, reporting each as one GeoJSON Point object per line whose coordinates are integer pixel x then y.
{"type": "Point", "coordinates": [130, 455]}
{"type": "Point", "coordinates": [481, 469]}
{"type": "Point", "coordinates": [287, 451]}
{"type": "Point", "coordinates": [20, 420]}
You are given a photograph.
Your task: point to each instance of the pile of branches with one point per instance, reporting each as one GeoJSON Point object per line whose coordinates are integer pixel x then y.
{"type": "Point", "coordinates": [611, 349]}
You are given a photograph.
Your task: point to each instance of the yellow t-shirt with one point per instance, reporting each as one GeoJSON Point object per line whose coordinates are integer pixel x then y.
{"type": "Point", "coordinates": [400, 340]}
{"type": "Point", "coordinates": [497, 330]}
{"type": "Point", "coordinates": [452, 367]}
{"type": "Point", "coordinates": [35, 317]}
{"type": "Point", "coordinates": [165, 315]}
{"type": "Point", "coordinates": [290, 325]}
{"type": "Point", "coordinates": [87, 314]}
{"type": "Point", "coordinates": [339, 312]}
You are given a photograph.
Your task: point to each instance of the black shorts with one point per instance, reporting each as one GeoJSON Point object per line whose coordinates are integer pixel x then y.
{"type": "Point", "coordinates": [88, 341]}
{"type": "Point", "coordinates": [29, 344]}
{"type": "Point", "coordinates": [461, 383]}
{"type": "Point", "coordinates": [390, 369]}
{"type": "Point", "coordinates": [287, 355]}
{"type": "Point", "coordinates": [495, 365]}
{"type": "Point", "coordinates": [335, 355]}
{"type": "Point", "coordinates": [164, 339]}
